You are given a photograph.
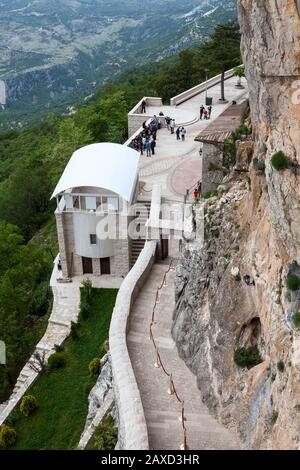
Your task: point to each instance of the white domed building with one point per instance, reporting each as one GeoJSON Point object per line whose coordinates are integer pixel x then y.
{"type": "Point", "coordinates": [98, 185]}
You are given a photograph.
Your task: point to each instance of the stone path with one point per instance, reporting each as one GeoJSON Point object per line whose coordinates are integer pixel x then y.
{"type": "Point", "coordinates": [162, 411]}
{"type": "Point", "coordinates": [186, 175]}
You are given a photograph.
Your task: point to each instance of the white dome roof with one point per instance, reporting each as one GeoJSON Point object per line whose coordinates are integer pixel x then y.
{"type": "Point", "coordinates": [105, 165]}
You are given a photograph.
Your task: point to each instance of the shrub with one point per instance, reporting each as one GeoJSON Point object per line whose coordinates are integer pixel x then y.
{"type": "Point", "coordinates": [104, 348]}
{"type": "Point", "coordinates": [293, 282]}
{"type": "Point", "coordinates": [106, 435]}
{"type": "Point", "coordinates": [280, 366]}
{"type": "Point", "coordinates": [74, 330]}
{"type": "Point", "coordinates": [264, 148]}
{"type": "Point", "coordinates": [41, 299]}
{"type": "Point", "coordinates": [209, 194]}
{"type": "Point", "coordinates": [28, 405]}
{"type": "Point", "coordinates": [274, 417]}
{"type": "Point", "coordinates": [87, 288]}
{"type": "Point", "coordinates": [259, 165]}
{"type": "Point", "coordinates": [8, 436]}
{"type": "Point", "coordinates": [86, 297]}
{"type": "Point", "coordinates": [279, 161]}
{"type": "Point", "coordinates": [94, 366]}
{"type": "Point", "coordinates": [84, 310]}
{"type": "Point", "coordinates": [56, 361]}
{"type": "Point", "coordinates": [214, 167]}
{"type": "Point", "coordinates": [247, 357]}
{"type": "Point", "coordinates": [296, 319]}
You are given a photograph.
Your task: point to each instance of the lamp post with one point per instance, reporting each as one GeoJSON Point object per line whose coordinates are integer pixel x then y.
{"type": "Point", "coordinates": [223, 99]}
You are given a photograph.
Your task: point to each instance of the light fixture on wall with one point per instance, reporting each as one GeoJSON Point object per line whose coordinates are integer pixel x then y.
{"type": "Point", "coordinates": [157, 364]}
{"type": "Point", "coordinates": [171, 390]}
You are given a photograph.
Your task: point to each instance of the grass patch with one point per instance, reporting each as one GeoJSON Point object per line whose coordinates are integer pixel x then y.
{"type": "Point", "coordinates": [210, 194]}
{"type": "Point", "coordinates": [61, 393]}
{"type": "Point", "coordinates": [105, 436]}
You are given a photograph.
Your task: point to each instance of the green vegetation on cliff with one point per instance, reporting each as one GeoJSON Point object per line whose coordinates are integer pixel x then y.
{"type": "Point", "coordinates": [61, 395]}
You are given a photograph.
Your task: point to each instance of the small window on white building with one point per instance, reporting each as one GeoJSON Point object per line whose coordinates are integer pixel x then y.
{"type": "Point", "coordinates": [91, 203]}
{"type": "Point", "coordinates": [113, 203]}
{"type": "Point", "coordinates": [69, 201]}
{"type": "Point", "coordinates": [93, 239]}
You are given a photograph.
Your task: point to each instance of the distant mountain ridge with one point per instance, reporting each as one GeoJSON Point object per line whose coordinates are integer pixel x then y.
{"type": "Point", "coordinates": [51, 50]}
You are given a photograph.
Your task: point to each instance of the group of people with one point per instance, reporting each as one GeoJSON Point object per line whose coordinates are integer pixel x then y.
{"type": "Point", "coordinates": [146, 140]}
{"type": "Point", "coordinates": [180, 131]}
{"type": "Point", "coordinates": [205, 113]}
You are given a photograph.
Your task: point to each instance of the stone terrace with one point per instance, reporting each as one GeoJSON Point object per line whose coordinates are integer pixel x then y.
{"type": "Point", "coordinates": [172, 155]}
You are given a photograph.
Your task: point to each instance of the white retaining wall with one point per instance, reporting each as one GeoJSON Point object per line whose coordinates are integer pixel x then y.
{"type": "Point", "coordinates": [133, 433]}
{"type": "Point", "coordinates": [135, 116]}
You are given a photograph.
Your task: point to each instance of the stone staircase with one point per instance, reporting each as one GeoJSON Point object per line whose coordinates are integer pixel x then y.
{"type": "Point", "coordinates": [142, 211]}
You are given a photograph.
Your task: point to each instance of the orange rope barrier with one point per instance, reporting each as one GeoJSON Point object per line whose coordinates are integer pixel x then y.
{"type": "Point", "coordinates": [160, 364]}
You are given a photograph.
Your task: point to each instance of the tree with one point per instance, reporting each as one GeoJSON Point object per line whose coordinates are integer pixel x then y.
{"type": "Point", "coordinates": [240, 73]}
{"type": "Point", "coordinates": [174, 79]}
{"type": "Point", "coordinates": [222, 51]}
{"type": "Point", "coordinates": [70, 137]}
{"type": "Point", "coordinates": [10, 241]}
{"type": "Point", "coordinates": [24, 199]}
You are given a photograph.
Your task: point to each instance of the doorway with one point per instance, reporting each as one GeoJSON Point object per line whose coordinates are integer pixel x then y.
{"type": "Point", "coordinates": [105, 266]}
{"type": "Point", "coordinates": [87, 265]}
{"type": "Point", "coordinates": [164, 248]}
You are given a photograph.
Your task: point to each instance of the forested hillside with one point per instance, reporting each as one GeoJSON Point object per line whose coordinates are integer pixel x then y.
{"type": "Point", "coordinates": [31, 162]}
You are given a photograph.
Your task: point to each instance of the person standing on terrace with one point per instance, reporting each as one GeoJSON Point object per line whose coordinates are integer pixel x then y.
{"type": "Point", "coordinates": [148, 147]}
{"type": "Point", "coordinates": [172, 126]}
{"type": "Point", "coordinates": [144, 104]}
{"type": "Point", "coordinates": [183, 133]}
{"type": "Point", "coordinates": [168, 122]}
{"type": "Point", "coordinates": [201, 111]}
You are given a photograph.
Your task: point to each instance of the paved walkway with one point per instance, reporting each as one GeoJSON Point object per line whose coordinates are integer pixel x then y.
{"type": "Point", "coordinates": [162, 411]}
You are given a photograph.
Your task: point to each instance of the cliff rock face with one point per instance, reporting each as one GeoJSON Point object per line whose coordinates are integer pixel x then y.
{"type": "Point", "coordinates": [233, 293]}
